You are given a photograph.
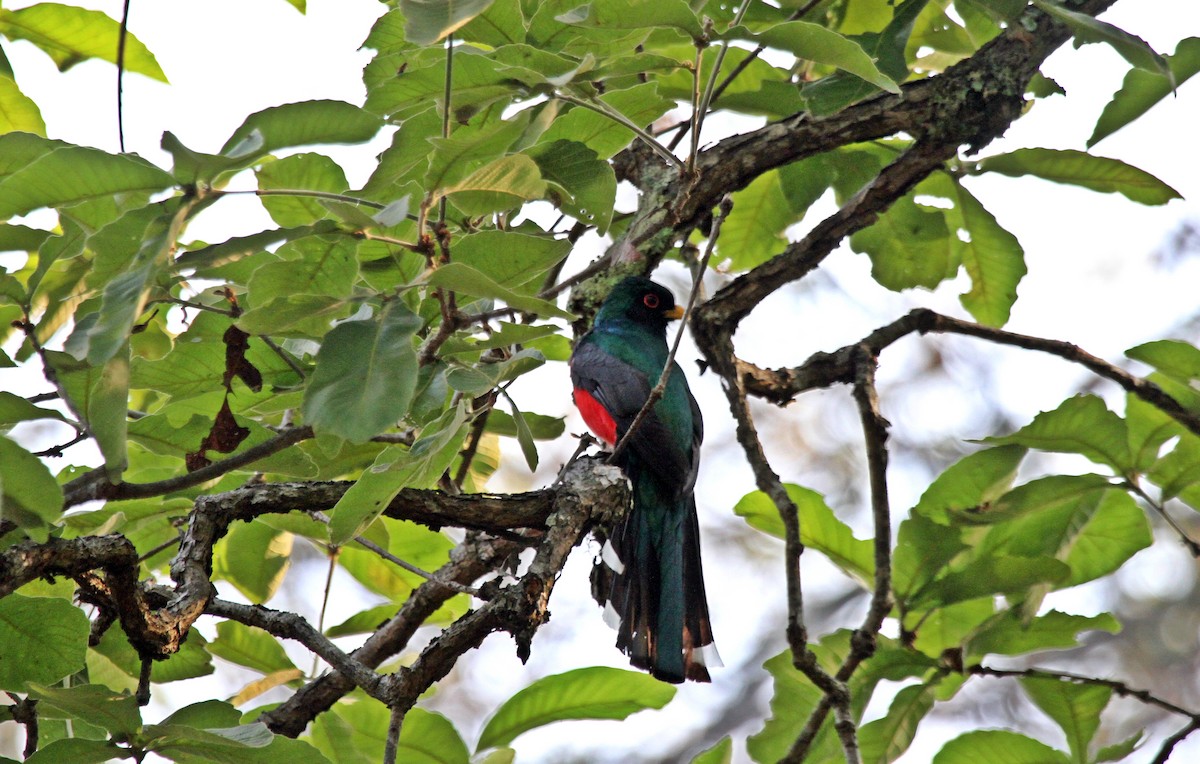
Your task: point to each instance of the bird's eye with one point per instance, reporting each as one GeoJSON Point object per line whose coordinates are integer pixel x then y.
{"type": "Point", "coordinates": [650, 301]}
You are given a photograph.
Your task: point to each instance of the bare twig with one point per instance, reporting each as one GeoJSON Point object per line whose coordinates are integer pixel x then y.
{"type": "Point", "coordinates": [287, 625]}
{"type": "Point", "coordinates": [406, 565]}
{"type": "Point", "coordinates": [392, 743]}
{"type": "Point", "coordinates": [661, 386]}
{"type": "Point", "coordinates": [1192, 545]}
{"type": "Point", "coordinates": [122, 36]}
{"type": "Point", "coordinates": [95, 484]}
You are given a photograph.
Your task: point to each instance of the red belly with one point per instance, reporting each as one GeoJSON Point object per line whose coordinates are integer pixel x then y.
{"type": "Point", "coordinates": [596, 417]}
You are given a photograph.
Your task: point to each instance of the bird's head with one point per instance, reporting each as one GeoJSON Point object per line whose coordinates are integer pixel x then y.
{"type": "Point", "coordinates": [641, 301]}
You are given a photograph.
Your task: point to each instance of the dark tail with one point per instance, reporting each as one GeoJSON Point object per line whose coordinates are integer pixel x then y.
{"type": "Point", "coordinates": [654, 585]}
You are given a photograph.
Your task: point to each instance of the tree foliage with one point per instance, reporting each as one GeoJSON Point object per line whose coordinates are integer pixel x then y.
{"type": "Point", "coordinates": [341, 379]}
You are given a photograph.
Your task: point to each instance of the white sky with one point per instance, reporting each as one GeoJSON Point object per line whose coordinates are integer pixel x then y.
{"type": "Point", "coordinates": [1090, 280]}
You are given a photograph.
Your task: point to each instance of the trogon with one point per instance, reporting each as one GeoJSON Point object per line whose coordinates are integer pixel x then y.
{"type": "Point", "coordinates": [652, 580]}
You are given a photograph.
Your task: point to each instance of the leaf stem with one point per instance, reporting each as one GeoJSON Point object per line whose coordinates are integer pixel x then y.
{"type": "Point", "coordinates": [724, 209]}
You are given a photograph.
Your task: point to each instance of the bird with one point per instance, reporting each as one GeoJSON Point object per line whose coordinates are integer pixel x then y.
{"type": "Point", "coordinates": [650, 578]}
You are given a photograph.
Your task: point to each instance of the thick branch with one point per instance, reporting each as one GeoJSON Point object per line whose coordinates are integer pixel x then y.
{"type": "Point", "coordinates": [588, 490]}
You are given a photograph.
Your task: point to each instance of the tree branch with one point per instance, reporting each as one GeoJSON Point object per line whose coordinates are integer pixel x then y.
{"type": "Point", "coordinates": [287, 625]}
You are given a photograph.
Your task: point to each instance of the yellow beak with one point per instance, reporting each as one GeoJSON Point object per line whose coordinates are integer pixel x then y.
{"type": "Point", "coordinates": [674, 313]}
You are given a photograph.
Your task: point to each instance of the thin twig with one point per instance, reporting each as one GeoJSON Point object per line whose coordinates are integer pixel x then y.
{"type": "Point", "coordinates": [283, 355]}
{"type": "Point", "coordinates": [193, 305]}
{"type": "Point", "coordinates": [80, 435]}
{"type": "Point", "coordinates": [392, 744]}
{"type": "Point", "coordinates": [329, 195]}
{"type": "Point", "coordinates": [600, 107]}
{"type": "Point", "coordinates": [385, 554]}
{"type": "Point", "coordinates": [447, 93]}
{"type": "Point", "coordinates": [660, 387]}
{"type": "Point", "coordinates": [325, 592]}
{"type": "Point", "coordinates": [287, 625]}
{"type": "Point", "coordinates": [474, 438]}
{"type": "Point", "coordinates": [122, 34]}
{"type": "Point", "coordinates": [1115, 685]}
{"type": "Point", "coordinates": [1192, 545]}
{"type": "Point", "coordinates": [95, 484]}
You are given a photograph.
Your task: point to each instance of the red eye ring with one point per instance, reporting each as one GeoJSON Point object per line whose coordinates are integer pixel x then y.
{"type": "Point", "coordinates": [650, 301]}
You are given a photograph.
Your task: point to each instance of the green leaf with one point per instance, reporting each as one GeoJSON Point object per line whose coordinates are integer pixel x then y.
{"type": "Point", "coordinates": [414, 543]}
{"type": "Point", "coordinates": [1120, 751]}
{"type": "Point", "coordinates": [301, 124]}
{"type": "Point", "coordinates": [1149, 428]}
{"type": "Point", "coordinates": [541, 427]}
{"type": "Point", "coordinates": [998, 747]}
{"type": "Point", "coordinates": [206, 714]}
{"type": "Point", "coordinates": [304, 172]}
{"type": "Point", "coordinates": [115, 663]}
{"type": "Point", "coordinates": [14, 408]}
{"type": "Point", "coordinates": [885, 740]}
{"type": "Point", "coordinates": [18, 112]}
{"type": "Point", "coordinates": [1081, 520]}
{"type": "Point", "coordinates": [794, 698]}
{"type": "Point", "coordinates": [974, 481]}
{"type": "Point", "coordinates": [840, 89]}
{"type": "Point", "coordinates": [431, 20]}
{"type": "Point", "coordinates": [1009, 634]}
{"type": "Point", "coordinates": [29, 494]}
{"type": "Point", "coordinates": [509, 258]}
{"type": "Point", "coordinates": [499, 185]}
{"type": "Point", "coordinates": [638, 14]}
{"type": "Point", "coordinates": [1079, 168]}
{"type": "Point", "coordinates": [909, 246]}
{"type": "Point", "coordinates": [269, 549]}
{"type": "Point", "coordinates": [820, 529]}
{"type": "Point", "coordinates": [1074, 707]}
{"type": "Point", "coordinates": [115, 712]}
{"type": "Point", "coordinates": [75, 750]}
{"type": "Point", "coordinates": [1175, 358]}
{"type": "Point", "coordinates": [467, 150]}
{"type": "Point", "coordinates": [249, 647]}
{"type": "Point", "coordinates": [1142, 89]}
{"type": "Point", "coordinates": [753, 232]}
{"type": "Point", "coordinates": [69, 35]}
{"type": "Point", "coordinates": [1081, 425]}
{"type": "Point", "coordinates": [243, 744]}
{"type": "Point", "coordinates": [641, 104]}
{"type": "Point", "coordinates": [501, 23]}
{"type": "Point", "coordinates": [20, 238]}
{"type": "Point", "coordinates": [42, 639]}
{"type": "Point", "coordinates": [326, 266]}
{"type": "Point", "coordinates": [948, 627]}
{"type": "Point", "coordinates": [396, 468]}
{"type": "Point", "coordinates": [1088, 29]}
{"type": "Point", "coordinates": [992, 256]}
{"type": "Point", "coordinates": [590, 183]}
{"type": "Point", "coordinates": [430, 738]}
{"type": "Point", "coordinates": [524, 437]}
{"type": "Point", "coordinates": [479, 81]}
{"type": "Point", "coordinates": [1178, 472]}
{"type": "Point", "coordinates": [983, 576]}
{"type": "Point", "coordinates": [721, 753]}
{"type": "Point", "coordinates": [815, 43]}
{"type": "Point", "coordinates": [42, 173]}
{"type": "Point", "coordinates": [365, 376]}
{"type": "Point", "coordinates": [107, 405]}
{"type": "Point", "coordinates": [587, 693]}
{"type": "Point", "coordinates": [460, 277]}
